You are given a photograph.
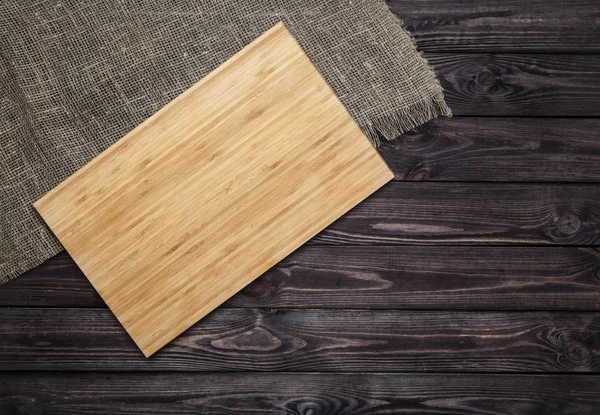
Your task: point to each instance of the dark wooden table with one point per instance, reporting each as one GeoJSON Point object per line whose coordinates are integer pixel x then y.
{"type": "Point", "coordinates": [470, 285]}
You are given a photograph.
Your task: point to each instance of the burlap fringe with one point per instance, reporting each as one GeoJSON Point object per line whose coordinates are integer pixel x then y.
{"type": "Point", "coordinates": [397, 122]}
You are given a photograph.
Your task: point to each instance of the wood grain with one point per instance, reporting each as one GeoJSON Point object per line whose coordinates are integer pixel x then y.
{"type": "Point", "coordinates": [309, 340]}
{"type": "Point", "coordinates": [413, 277]}
{"type": "Point", "coordinates": [498, 149]}
{"type": "Point", "coordinates": [297, 393]}
{"type": "Point", "coordinates": [471, 213]}
{"type": "Point", "coordinates": [214, 189]}
{"type": "Point", "coordinates": [520, 84]}
{"type": "Point", "coordinates": [511, 25]}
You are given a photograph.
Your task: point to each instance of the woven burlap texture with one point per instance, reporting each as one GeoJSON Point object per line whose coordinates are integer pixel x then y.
{"type": "Point", "coordinates": [75, 76]}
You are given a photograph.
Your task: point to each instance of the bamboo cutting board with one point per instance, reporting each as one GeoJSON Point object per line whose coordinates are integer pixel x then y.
{"type": "Point", "coordinates": [213, 190]}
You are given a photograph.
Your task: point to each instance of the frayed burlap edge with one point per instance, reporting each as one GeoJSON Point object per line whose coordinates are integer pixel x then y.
{"type": "Point", "coordinates": [396, 122]}
{"type": "Point", "coordinates": [400, 120]}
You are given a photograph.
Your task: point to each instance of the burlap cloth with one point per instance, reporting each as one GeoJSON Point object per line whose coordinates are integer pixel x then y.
{"type": "Point", "coordinates": [77, 75]}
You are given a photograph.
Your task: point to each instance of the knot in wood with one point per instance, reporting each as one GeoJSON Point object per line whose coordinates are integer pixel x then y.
{"type": "Point", "coordinates": [258, 288]}
{"type": "Point", "coordinates": [568, 224]}
{"type": "Point", "coordinates": [486, 79]}
{"type": "Point", "coordinates": [317, 405]}
{"type": "Point", "coordinates": [577, 352]}
{"type": "Point", "coordinates": [420, 172]}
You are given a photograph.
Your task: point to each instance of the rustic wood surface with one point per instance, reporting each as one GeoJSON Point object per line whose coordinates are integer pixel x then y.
{"type": "Point", "coordinates": [498, 149]}
{"type": "Point", "coordinates": [479, 294]}
{"type": "Point", "coordinates": [509, 25]}
{"type": "Point", "coordinates": [247, 339]}
{"type": "Point", "coordinates": [296, 393]}
{"type": "Point", "coordinates": [375, 277]}
{"type": "Point", "coordinates": [532, 85]}
{"type": "Point", "coordinates": [469, 213]}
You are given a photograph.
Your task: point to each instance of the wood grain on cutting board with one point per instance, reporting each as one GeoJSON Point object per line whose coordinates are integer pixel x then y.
{"type": "Point", "coordinates": [214, 189]}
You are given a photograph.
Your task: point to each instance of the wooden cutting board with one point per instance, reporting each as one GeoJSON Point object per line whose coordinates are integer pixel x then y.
{"type": "Point", "coordinates": [213, 190]}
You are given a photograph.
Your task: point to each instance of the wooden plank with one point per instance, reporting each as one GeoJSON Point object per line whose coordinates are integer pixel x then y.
{"type": "Point", "coordinates": [471, 213]}
{"type": "Point", "coordinates": [214, 189]}
{"type": "Point", "coordinates": [297, 393]}
{"type": "Point", "coordinates": [498, 149]}
{"type": "Point", "coordinates": [519, 84]}
{"type": "Point", "coordinates": [413, 277]}
{"type": "Point", "coordinates": [309, 340]}
{"type": "Point", "coordinates": [57, 282]}
{"type": "Point", "coordinates": [512, 25]}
